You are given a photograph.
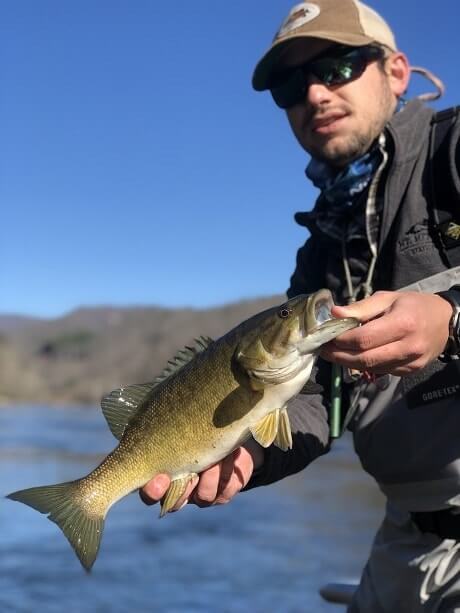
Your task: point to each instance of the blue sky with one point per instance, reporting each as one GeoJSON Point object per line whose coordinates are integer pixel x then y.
{"type": "Point", "coordinates": [137, 166]}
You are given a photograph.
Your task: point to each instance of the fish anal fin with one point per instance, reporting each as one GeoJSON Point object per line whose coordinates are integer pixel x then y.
{"type": "Point", "coordinates": [283, 438]}
{"type": "Point", "coordinates": [265, 431]}
{"type": "Point", "coordinates": [174, 492]}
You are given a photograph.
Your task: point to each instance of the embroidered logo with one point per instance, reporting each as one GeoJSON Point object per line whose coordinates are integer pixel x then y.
{"type": "Point", "coordinates": [417, 240]}
{"type": "Point", "coordinates": [453, 231]}
{"type": "Point", "coordinates": [300, 15]}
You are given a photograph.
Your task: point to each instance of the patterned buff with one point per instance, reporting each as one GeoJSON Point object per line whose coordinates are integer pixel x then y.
{"type": "Point", "coordinates": [339, 192]}
{"type": "Point", "coordinates": [341, 188]}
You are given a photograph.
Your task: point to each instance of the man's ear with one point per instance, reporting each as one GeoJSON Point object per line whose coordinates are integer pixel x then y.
{"type": "Point", "coordinates": [398, 70]}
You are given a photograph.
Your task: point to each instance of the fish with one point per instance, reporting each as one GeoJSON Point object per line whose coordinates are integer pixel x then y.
{"type": "Point", "coordinates": [210, 399]}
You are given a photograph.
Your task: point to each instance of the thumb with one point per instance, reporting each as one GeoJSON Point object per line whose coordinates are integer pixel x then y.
{"type": "Point", "coordinates": [366, 309]}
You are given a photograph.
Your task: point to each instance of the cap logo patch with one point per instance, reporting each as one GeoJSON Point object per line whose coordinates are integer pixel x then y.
{"type": "Point", "coordinates": [300, 15]}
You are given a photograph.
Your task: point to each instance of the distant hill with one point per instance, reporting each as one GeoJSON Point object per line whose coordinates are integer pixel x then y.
{"type": "Point", "coordinates": [77, 358]}
{"type": "Point", "coordinates": [13, 322]}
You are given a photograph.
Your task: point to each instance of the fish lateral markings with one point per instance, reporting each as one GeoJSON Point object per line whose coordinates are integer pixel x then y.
{"type": "Point", "coordinates": [210, 399]}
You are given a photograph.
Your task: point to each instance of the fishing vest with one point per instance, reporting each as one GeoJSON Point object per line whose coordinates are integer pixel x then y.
{"type": "Point", "coordinates": [407, 429]}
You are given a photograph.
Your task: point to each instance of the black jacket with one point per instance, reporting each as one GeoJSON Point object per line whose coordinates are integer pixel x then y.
{"type": "Point", "coordinates": [407, 253]}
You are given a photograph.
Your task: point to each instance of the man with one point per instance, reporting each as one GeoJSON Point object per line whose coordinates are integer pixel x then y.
{"type": "Point", "coordinates": [335, 69]}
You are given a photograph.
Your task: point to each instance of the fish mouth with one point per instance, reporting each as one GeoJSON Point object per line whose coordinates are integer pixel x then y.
{"type": "Point", "coordinates": [318, 311]}
{"type": "Point", "coordinates": [322, 308]}
{"type": "Point", "coordinates": [320, 326]}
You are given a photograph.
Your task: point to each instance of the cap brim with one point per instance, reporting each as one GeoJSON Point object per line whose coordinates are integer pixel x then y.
{"type": "Point", "coordinates": [265, 68]}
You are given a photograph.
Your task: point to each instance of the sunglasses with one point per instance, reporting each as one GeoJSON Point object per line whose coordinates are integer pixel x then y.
{"type": "Point", "coordinates": [343, 66]}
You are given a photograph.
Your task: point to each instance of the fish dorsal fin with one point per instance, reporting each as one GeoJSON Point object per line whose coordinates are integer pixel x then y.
{"type": "Point", "coordinates": [184, 356]}
{"type": "Point", "coordinates": [122, 404]}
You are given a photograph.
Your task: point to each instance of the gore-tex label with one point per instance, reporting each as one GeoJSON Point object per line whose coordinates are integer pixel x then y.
{"type": "Point", "coordinates": [434, 383]}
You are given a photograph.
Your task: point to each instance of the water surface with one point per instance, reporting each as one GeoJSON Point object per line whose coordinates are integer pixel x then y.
{"type": "Point", "coordinates": [269, 550]}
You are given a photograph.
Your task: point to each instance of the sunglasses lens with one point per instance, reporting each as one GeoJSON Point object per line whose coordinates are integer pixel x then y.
{"type": "Point", "coordinates": [291, 90]}
{"type": "Point", "coordinates": [334, 71]}
{"type": "Point", "coordinates": [329, 70]}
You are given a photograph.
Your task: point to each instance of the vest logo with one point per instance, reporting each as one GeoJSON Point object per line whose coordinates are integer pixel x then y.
{"type": "Point", "coordinates": [453, 231]}
{"type": "Point", "coordinates": [300, 15]}
{"type": "Point", "coordinates": [417, 240]}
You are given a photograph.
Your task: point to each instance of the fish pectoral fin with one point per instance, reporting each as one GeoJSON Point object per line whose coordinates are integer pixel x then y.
{"type": "Point", "coordinates": [265, 431]}
{"type": "Point", "coordinates": [174, 492]}
{"type": "Point", "coordinates": [283, 438]}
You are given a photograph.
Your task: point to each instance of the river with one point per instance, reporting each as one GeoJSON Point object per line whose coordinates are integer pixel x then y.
{"type": "Point", "coordinates": [269, 550]}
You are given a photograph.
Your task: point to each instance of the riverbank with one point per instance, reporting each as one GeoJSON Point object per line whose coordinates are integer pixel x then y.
{"type": "Point", "coordinates": [79, 358]}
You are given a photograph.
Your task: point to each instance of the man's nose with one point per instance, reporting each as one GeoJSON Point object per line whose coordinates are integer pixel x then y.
{"type": "Point", "coordinates": [317, 92]}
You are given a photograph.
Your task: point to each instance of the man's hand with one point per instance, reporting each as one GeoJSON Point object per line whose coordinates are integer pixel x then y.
{"type": "Point", "coordinates": [401, 333]}
{"type": "Point", "coordinates": [216, 485]}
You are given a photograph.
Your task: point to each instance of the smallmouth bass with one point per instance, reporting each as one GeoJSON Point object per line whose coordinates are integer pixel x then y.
{"type": "Point", "coordinates": [210, 399]}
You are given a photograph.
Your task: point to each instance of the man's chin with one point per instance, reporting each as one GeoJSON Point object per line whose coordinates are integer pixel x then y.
{"type": "Point", "coordinates": [336, 157]}
{"type": "Point", "coordinates": [336, 153]}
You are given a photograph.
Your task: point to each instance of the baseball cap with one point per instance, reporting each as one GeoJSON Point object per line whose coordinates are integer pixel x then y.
{"type": "Point", "coordinates": [347, 22]}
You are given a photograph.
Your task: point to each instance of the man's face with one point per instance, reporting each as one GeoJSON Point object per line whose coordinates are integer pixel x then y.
{"type": "Point", "coordinates": [338, 123]}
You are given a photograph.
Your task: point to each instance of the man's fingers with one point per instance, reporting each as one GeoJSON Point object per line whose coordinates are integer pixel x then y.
{"type": "Point", "coordinates": [381, 360]}
{"type": "Point", "coordinates": [231, 480]}
{"type": "Point", "coordinates": [361, 339]}
{"type": "Point", "coordinates": [208, 485]}
{"type": "Point", "coordinates": [366, 309]}
{"type": "Point", "coordinates": [245, 459]}
{"type": "Point", "coordinates": [227, 470]}
{"type": "Point", "coordinates": [155, 489]}
{"type": "Point", "coordinates": [375, 333]}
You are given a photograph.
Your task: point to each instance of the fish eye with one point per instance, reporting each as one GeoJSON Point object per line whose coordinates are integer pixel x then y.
{"type": "Point", "coordinates": [284, 312]}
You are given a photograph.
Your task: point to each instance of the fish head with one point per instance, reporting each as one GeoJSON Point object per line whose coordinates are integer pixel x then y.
{"type": "Point", "coordinates": [285, 339]}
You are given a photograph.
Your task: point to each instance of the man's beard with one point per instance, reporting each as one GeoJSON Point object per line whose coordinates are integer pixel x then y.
{"type": "Point", "coordinates": [356, 146]}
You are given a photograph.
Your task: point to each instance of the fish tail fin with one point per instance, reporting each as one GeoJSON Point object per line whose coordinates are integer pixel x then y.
{"type": "Point", "coordinates": [62, 504]}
